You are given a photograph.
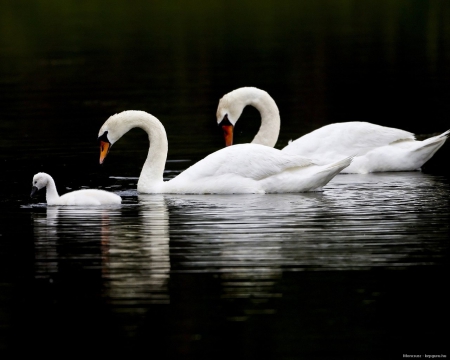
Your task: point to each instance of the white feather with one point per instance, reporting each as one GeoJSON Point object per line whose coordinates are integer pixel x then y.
{"type": "Point", "coordinates": [78, 197]}
{"type": "Point", "coordinates": [245, 168]}
{"type": "Point", "coordinates": [375, 148]}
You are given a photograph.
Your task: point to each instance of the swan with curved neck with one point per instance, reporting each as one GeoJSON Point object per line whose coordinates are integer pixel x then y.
{"type": "Point", "coordinates": [78, 197]}
{"type": "Point", "coordinates": [245, 168]}
{"type": "Point", "coordinates": [375, 148]}
{"type": "Point", "coordinates": [231, 107]}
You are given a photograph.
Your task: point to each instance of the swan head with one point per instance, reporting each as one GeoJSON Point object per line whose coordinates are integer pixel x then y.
{"type": "Point", "coordinates": [227, 128]}
{"type": "Point", "coordinates": [40, 180]}
{"type": "Point", "coordinates": [232, 105]}
{"type": "Point", "coordinates": [111, 131]}
{"type": "Point", "coordinates": [105, 145]}
{"type": "Point", "coordinates": [119, 124]}
{"type": "Point", "coordinates": [228, 113]}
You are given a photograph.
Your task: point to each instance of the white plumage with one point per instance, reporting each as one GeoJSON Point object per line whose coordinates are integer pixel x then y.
{"type": "Point", "coordinates": [78, 197]}
{"type": "Point", "coordinates": [245, 168]}
{"type": "Point", "coordinates": [375, 148]}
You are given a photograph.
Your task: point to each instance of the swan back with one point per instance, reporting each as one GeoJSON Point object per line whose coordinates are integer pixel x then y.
{"type": "Point", "coordinates": [89, 197]}
{"type": "Point", "coordinates": [335, 141]}
{"type": "Point", "coordinates": [346, 139]}
{"type": "Point", "coordinates": [251, 168]}
{"type": "Point", "coordinates": [376, 148]}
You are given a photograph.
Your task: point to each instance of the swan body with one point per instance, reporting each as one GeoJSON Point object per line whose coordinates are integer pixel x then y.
{"type": "Point", "coordinates": [375, 148]}
{"type": "Point", "coordinates": [245, 168]}
{"type": "Point", "coordinates": [78, 197]}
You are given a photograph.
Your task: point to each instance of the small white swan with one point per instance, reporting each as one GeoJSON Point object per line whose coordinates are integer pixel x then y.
{"type": "Point", "coordinates": [376, 148]}
{"type": "Point", "coordinates": [245, 168]}
{"type": "Point", "coordinates": [78, 197]}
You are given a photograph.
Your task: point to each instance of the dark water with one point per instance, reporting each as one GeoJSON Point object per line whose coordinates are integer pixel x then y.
{"type": "Point", "coordinates": [358, 271]}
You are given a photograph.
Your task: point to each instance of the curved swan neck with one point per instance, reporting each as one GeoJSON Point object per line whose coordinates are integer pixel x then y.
{"type": "Point", "coordinates": [270, 120]}
{"type": "Point", "coordinates": [152, 172]}
{"type": "Point", "coordinates": [233, 103]}
{"type": "Point", "coordinates": [151, 177]}
{"type": "Point", "coordinates": [51, 194]}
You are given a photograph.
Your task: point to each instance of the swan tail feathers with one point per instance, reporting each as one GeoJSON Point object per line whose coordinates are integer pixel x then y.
{"type": "Point", "coordinates": [445, 134]}
{"type": "Point", "coordinates": [341, 164]}
{"type": "Point", "coordinates": [435, 140]}
{"type": "Point", "coordinates": [442, 136]}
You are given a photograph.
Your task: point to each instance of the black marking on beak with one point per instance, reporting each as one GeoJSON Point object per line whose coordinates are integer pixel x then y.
{"type": "Point", "coordinates": [105, 146]}
{"type": "Point", "coordinates": [104, 137]}
{"type": "Point", "coordinates": [225, 121]}
{"type": "Point", "coordinates": [34, 190]}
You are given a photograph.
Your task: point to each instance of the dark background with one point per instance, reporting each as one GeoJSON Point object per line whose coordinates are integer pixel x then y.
{"type": "Point", "coordinates": [66, 66]}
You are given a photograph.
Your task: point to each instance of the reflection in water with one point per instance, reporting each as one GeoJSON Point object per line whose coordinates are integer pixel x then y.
{"type": "Point", "coordinates": [127, 247]}
{"type": "Point", "coordinates": [139, 256]}
{"type": "Point", "coordinates": [46, 254]}
{"type": "Point", "coordinates": [240, 263]}
{"type": "Point", "coordinates": [231, 258]}
{"type": "Point", "coordinates": [358, 222]}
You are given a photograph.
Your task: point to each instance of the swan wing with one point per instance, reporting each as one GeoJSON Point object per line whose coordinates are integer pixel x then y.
{"type": "Point", "coordinates": [252, 168]}
{"type": "Point", "coordinates": [251, 161]}
{"type": "Point", "coordinates": [338, 140]}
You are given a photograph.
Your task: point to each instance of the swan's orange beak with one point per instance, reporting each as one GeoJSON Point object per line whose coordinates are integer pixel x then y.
{"type": "Point", "coordinates": [104, 149]}
{"type": "Point", "coordinates": [228, 134]}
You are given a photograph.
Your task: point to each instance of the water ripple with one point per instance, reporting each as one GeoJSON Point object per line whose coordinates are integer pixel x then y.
{"type": "Point", "coordinates": [357, 222]}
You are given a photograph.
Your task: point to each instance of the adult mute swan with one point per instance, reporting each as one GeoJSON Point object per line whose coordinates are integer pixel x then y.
{"type": "Point", "coordinates": [375, 148]}
{"type": "Point", "coordinates": [245, 168]}
{"type": "Point", "coordinates": [78, 197]}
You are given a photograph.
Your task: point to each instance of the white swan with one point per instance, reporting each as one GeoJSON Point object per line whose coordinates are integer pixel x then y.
{"type": "Point", "coordinates": [376, 148]}
{"type": "Point", "coordinates": [245, 168]}
{"type": "Point", "coordinates": [78, 197]}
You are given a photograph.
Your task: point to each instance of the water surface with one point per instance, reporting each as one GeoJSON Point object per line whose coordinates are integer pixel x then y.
{"type": "Point", "coordinates": [357, 271]}
{"type": "Point", "coordinates": [296, 274]}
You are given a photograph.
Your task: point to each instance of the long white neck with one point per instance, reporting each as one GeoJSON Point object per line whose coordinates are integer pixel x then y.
{"type": "Point", "coordinates": [51, 194]}
{"type": "Point", "coordinates": [151, 178]}
{"type": "Point", "coordinates": [233, 103]}
{"type": "Point", "coordinates": [270, 120]}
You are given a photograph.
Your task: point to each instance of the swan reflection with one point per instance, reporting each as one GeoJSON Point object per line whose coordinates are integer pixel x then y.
{"type": "Point", "coordinates": [125, 247]}
{"type": "Point", "coordinates": [359, 221]}
{"type": "Point", "coordinates": [246, 241]}
{"type": "Point", "coordinates": [139, 260]}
